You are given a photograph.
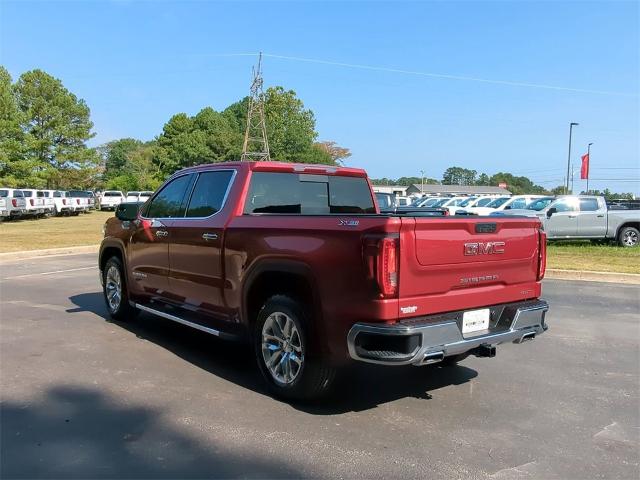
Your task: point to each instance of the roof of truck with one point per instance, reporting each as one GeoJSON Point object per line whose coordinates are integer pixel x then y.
{"type": "Point", "coordinates": [319, 169]}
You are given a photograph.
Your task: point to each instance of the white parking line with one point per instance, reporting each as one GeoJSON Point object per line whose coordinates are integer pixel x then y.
{"type": "Point", "coordinates": [50, 273]}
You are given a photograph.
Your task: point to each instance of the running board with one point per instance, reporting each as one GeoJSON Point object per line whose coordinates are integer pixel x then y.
{"type": "Point", "coordinates": [173, 318]}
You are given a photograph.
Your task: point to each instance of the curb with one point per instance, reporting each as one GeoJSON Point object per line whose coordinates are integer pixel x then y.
{"type": "Point", "coordinates": [593, 276]}
{"type": "Point", "coordinates": [49, 252]}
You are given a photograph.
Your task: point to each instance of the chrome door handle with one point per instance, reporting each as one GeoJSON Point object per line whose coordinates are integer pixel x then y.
{"type": "Point", "coordinates": [210, 236]}
{"type": "Point", "coordinates": [161, 233]}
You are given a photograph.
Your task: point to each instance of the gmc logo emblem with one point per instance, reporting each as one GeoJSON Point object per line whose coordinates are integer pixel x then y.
{"type": "Point", "coordinates": [484, 248]}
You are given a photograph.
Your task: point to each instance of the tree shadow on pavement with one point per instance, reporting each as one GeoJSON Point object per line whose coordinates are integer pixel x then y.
{"type": "Point", "coordinates": [75, 432]}
{"type": "Point", "coordinates": [359, 387]}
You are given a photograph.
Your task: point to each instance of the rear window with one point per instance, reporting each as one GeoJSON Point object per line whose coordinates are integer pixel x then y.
{"type": "Point", "coordinates": [78, 193]}
{"type": "Point", "coordinates": [113, 194]}
{"type": "Point", "coordinates": [58, 194]}
{"type": "Point", "coordinates": [290, 193]}
{"type": "Point", "coordinates": [27, 193]}
{"type": "Point", "coordinates": [18, 194]}
{"type": "Point", "coordinates": [4, 193]}
{"type": "Point", "coordinates": [42, 194]}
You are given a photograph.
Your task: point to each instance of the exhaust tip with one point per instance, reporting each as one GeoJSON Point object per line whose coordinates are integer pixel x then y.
{"type": "Point", "coordinates": [526, 337]}
{"type": "Point", "coordinates": [432, 357]}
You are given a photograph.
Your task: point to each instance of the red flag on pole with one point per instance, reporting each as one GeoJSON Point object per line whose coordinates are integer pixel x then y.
{"type": "Point", "coordinates": [584, 169]}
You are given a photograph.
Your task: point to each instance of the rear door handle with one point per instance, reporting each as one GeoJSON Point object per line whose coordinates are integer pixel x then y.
{"type": "Point", "coordinates": [572, 216]}
{"type": "Point", "coordinates": [600, 216]}
{"type": "Point", "coordinates": [210, 236]}
{"type": "Point", "coordinates": [161, 233]}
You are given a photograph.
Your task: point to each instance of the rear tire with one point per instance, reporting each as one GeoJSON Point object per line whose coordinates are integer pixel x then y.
{"type": "Point", "coordinates": [628, 237]}
{"type": "Point", "coordinates": [282, 352]}
{"type": "Point", "coordinates": [114, 289]}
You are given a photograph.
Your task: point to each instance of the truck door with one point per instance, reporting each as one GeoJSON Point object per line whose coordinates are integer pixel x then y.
{"type": "Point", "coordinates": [563, 223]}
{"type": "Point", "coordinates": [592, 220]}
{"type": "Point", "coordinates": [148, 258]}
{"type": "Point", "coordinates": [195, 249]}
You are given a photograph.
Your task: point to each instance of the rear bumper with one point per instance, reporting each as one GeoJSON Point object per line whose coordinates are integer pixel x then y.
{"type": "Point", "coordinates": [430, 339]}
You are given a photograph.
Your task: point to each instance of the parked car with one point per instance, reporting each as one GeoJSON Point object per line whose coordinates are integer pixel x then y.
{"type": "Point", "coordinates": [62, 202]}
{"type": "Point", "coordinates": [386, 201]}
{"type": "Point", "coordinates": [47, 201]}
{"type": "Point", "coordinates": [110, 199]}
{"type": "Point", "coordinates": [15, 202]}
{"type": "Point", "coordinates": [586, 217]}
{"type": "Point", "coordinates": [504, 203]}
{"type": "Point", "coordinates": [138, 196]}
{"type": "Point", "coordinates": [34, 205]}
{"type": "Point", "coordinates": [298, 259]}
{"type": "Point", "coordinates": [403, 201]}
{"type": "Point", "coordinates": [80, 200]}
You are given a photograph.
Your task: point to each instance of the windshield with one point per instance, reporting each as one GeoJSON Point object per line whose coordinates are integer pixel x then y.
{"type": "Point", "coordinates": [497, 202]}
{"type": "Point", "coordinates": [456, 202]}
{"type": "Point", "coordinates": [539, 204]}
{"type": "Point", "coordinates": [483, 202]}
{"type": "Point", "coordinates": [439, 203]}
{"type": "Point", "coordinates": [467, 201]}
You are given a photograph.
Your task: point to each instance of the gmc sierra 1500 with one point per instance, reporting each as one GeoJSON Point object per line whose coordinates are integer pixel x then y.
{"type": "Point", "coordinates": [298, 259]}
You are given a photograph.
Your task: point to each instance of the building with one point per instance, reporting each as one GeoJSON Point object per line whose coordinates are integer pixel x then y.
{"type": "Point", "coordinates": [398, 190]}
{"type": "Point", "coordinates": [444, 190]}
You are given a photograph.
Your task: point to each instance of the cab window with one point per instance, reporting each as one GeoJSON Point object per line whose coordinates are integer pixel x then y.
{"type": "Point", "coordinates": [170, 202]}
{"type": "Point", "coordinates": [565, 205]}
{"type": "Point", "coordinates": [209, 193]}
{"type": "Point", "coordinates": [588, 205]}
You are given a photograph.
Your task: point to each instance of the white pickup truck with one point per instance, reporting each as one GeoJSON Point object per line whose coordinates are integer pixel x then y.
{"type": "Point", "coordinates": [14, 202]}
{"type": "Point", "coordinates": [47, 200]}
{"type": "Point", "coordinates": [82, 201]}
{"type": "Point", "coordinates": [34, 204]}
{"type": "Point", "coordinates": [62, 202]}
{"type": "Point", "coordinates": [584, 217]}
{"type": "Point", "coordinates": [111, 199]}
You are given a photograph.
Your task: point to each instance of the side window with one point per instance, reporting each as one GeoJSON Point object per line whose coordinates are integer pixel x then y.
{"type": "Point", "coordinates": [519, 203]}
{"type": "Point", "coordinates": [565, 205]}
{"type": "Point", "coordinates": [209, 193]}
{"type": "Point", "coordinates": [588, 205]}
{"type": "Point", "coordinates": [170, 201]}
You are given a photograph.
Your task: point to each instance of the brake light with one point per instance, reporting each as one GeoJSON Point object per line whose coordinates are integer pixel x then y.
{"type": "Point", "coordinates": [388, 267]}
{"type": "Point", "coordinates": [64, 201]}
{"type": "Point", "coordinates": [77, 201]}
{"type": "Point", "coordinates": [14, 202]}
{"type": "Point", "coordinates": [31, 202]}
{"type": "Point", "coordinates": [542, 254]}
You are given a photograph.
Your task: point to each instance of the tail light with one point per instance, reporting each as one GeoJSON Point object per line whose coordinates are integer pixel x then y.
{"type": "Point", "coordinates": [14, 202]}
{"type": "Point", "coordinates": [387, 267]}
{"type": "Point", "coordinates": [542, 254]}
{"type": "Point", "coordinates": [31, 202]}
{"type": "Point", "coordinates": [64, 201]}
{"type": "Point", "coordinates": [77, 201]}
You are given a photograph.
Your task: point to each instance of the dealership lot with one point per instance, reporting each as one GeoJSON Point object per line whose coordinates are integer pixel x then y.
{"type": "Point", "coordinates": [84, 397]}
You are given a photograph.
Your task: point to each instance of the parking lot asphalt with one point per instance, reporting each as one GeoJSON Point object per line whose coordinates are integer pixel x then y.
{"type": "Point", "coordinates": [85, 397]}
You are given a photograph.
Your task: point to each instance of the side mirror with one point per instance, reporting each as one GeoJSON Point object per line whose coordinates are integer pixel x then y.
{"type": "Point", "coordinates": [128, 211]}
{"type": "Point", "coordinates": [551, 211]}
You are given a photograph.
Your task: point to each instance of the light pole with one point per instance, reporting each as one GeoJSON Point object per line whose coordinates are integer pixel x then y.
{"type": "Point", "coordinates": [421, 182]}
{"type": "Point", "coordinates": [571, 125]}
{"type": "Point", "coordinates": [589, 164]}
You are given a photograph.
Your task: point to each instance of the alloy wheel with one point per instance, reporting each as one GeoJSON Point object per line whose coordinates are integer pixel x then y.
{"type": "Point", "coordinates": [282, 350]}
{"type": "Point", "coordinates": [113, 288]}
{"type": "Point", "coordinates": [630, 238]}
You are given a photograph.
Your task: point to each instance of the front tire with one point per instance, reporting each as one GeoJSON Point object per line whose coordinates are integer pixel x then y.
{"type": "Point", "coordinates": [628, 237]}
{"type": "Point", "coordinates": [282, 351]}
{"type": "Point", "coordinates": [114, 288]}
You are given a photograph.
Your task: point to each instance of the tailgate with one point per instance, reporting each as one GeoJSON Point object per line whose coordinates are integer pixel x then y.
{"type": "Point", "coordinates": [454, 263]}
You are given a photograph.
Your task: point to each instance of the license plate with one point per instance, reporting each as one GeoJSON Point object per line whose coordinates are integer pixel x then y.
{"type": "Point", "coordinates": [475, 320]}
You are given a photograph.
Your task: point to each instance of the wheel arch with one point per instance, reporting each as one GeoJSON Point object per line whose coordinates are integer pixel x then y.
{"type": "Point", "coordinates": [630, 223]}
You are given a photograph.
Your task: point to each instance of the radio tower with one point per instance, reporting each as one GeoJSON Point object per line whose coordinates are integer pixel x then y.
{"type": "Point", "coordinates": [256, 146]}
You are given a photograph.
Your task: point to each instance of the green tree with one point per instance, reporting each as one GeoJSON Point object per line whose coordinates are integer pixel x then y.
{"type": "Point", "coordinates": [56, 125]}
{"type": "Point", "coordinates": [459, 176]}
{"type": "Point", "coordinates": [337, 153]}
{"type": "Point", "coordinates": [14, 169]}
{"type": "Point", "coordinates": [116, 154]}
{"type": "Point", "coordinates": [517, 185]}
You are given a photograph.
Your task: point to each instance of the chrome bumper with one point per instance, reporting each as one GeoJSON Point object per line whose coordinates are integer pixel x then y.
{"type": "Point", "coordinates": [430, 339]}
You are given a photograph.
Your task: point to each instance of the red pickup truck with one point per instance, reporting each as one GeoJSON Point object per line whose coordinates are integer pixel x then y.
{"type": "Point", "coordinates": [299, 259]}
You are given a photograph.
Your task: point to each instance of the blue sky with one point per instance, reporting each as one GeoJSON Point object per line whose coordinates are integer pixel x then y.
{"type": "Point", "coordinates": [138, 63]}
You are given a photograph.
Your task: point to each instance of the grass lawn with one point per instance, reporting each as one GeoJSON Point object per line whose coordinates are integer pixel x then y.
{"type": "Point", "coordinates": [86, 229]}
{"type": "Point", "coordinates": [583, 255]}
{"type": "Point", "coordinates": [53, 232]}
